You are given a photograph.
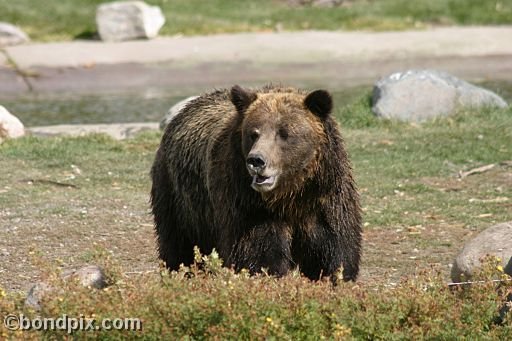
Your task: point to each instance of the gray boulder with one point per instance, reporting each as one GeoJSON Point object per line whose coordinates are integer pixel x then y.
{"type": "Point", "coordinates": [418, 95]}
{"type": "Point", "coordinates": [89, 276]}
{"type": "Point", "coordinates": [11, 35]}
{"type": "Point", "coordinates": [494, 241]}
{"type": "Point", "coordinates": [175, 110]}
{"type": "Point", "coordinates": [10, 125]}
{"type": "Point", "coordinates": [127, 20]}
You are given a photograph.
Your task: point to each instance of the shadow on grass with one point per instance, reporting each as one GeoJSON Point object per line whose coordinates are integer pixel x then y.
{"type": "Point", "coordinates": [87, 35]}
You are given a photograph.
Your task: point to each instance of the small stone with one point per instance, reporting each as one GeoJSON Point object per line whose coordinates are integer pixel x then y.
{"type": "Point", "coordinates": [327, 3]}
{"type": "Point", "coordinates": [10, 125]}
{"type": "Point", "coordinates": [316, 3]}
{"type": "Point", "coordinates": [419, 95]}
{"type": "Point", "coordinates": [36, 294]}
{"type": "Point", "coordinates": [89, 276]}
{"type": "Point", "coordinates": [128, 20]}
{"type": "Point", "coordinates": [11, 35]}
{"type": "Point", "coordinates": [494, 241]}
{"type": "Point", "coordinates": [175, 110]}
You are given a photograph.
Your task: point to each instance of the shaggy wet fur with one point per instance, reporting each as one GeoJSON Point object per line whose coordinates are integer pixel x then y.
{"type": "Point", "coordinates": [201, 193]}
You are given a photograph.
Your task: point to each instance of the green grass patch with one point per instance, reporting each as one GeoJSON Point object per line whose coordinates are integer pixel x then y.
{"type": "Point", "coordinates": [69, 19]}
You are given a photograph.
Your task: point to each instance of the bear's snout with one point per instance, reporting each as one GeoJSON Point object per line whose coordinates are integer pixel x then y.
{"type": "Point", "coordinates": [256, 163]}
{"type": "Point", "coordinates": [263, 178]}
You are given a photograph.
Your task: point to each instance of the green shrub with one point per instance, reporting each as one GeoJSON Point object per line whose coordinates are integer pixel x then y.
{"type": "Point", "coordinates": [206, 301]}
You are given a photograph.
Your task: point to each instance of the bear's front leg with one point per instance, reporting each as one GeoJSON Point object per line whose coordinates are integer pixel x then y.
{"type": "Point", "coordinates": [265, 246]}
{"type": "Point", "coordinates": [318, 253]}
{"type": "Point", "coordinates": [323, 249]}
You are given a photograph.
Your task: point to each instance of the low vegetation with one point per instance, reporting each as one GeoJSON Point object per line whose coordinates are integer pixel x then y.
{"type": "Point", "coordinates": [214, 303]}
{"type": "Point", "coordinates": [66, 202]}
{"type": "Point", "coordinates": [69, 19]}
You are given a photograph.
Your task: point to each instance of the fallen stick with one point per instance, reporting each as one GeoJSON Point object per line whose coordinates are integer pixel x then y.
{"type": "Point", "coordinates": [480, 282]}
{"type": "Point", "coordinates": [482, 169]}
{"type": "Point", "coordinates": [49, 182]}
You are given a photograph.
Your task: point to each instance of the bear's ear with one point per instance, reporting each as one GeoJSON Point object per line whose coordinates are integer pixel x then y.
{"type": "Point", "coordinates": [242, 98]}
{"type": "Point", "coordinates": [319, 102]}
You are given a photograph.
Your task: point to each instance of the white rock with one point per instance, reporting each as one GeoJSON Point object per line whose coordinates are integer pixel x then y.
{"type": "Point", "coordinates": [494, 241]}
{"type": "Point", "coordinates": [10, 125]}
{"type": "Point", "coordinates": [127, 20]}
{"type": "Point", "coordinates": [118, 131]}
{"type": "Point", "coordinates": [11, 35]}
{"type": "Point", "coordinates": [418, 95]}
{"type": "Point", "coordinates": [175, 110]}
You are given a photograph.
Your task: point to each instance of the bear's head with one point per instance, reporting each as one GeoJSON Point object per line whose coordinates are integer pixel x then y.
{"type": "Point", "coordinates": [282, 133]}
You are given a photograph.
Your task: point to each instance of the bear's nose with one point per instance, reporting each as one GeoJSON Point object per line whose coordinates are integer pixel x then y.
{"type": "Point", "coordinates": [256, 162]}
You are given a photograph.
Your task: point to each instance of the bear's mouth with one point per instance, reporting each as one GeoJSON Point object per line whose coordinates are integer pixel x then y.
{"type": "Point", "coordinates": [262, 183]}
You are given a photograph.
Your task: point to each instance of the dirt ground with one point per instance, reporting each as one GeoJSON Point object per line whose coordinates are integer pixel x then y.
{"type": "Point", "coordinates": [68, 228]}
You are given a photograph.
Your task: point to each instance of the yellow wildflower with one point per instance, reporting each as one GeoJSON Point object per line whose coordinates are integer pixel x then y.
{"type": "Point", "coordinates": [341, 331]}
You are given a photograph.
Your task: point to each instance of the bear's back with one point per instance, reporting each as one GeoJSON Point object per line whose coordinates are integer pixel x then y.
{"type": "Point", "coordinates": [201, 115]}
{"type": "Point", "coordinates": [190, 135]}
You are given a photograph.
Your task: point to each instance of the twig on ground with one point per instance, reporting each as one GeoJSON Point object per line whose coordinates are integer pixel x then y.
{"type": "Point", "coordinates": [482, 169]}
{"type": "Point", "coordinates": [49, 182]}
{"type": "Point", "coordinates": [479, 282]}
{"type": "Point", "coordinates": [138, 272]}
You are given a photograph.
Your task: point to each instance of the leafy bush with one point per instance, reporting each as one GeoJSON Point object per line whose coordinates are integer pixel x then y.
{"type": "Point", "coordinates": [207, 301]}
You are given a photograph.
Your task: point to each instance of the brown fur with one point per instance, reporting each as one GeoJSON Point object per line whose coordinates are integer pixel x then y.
{"type": "Point", "coordinates": [306, 211]}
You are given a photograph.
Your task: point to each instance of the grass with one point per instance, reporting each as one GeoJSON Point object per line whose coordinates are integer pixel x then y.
{"type": "Point", "coordinates": [67, 202]}
{"type": "Point", "coordinates": [414, 162]}
{"type": "Point", "coordinates": [70, 19]}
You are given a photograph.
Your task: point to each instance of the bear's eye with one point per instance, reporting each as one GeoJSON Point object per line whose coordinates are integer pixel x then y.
{"type": "Point", "coordinates": [254, 135]}
{"type": "Point", "coordinates": [283, 133]}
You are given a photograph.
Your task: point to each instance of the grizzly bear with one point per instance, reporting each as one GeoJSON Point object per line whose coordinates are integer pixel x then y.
{"type": "Point", "coordinates": [263, 177]}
